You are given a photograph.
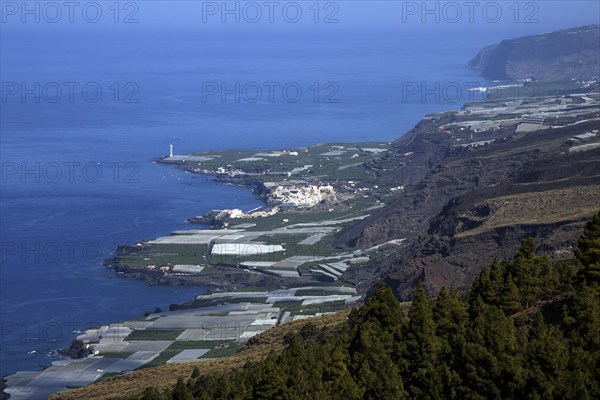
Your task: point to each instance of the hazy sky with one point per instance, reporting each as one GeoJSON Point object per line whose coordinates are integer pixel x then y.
{"type": "Point", "coordinates": [520, 17]}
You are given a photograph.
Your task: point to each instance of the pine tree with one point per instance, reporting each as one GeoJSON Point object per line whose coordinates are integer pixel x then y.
{"type": "Point", "coordinates": [151, 393]}
{"type": "Point", "coordinates": [580, 377]}
{"type": "Point", "coordinates": [509, 297]}
{"type": "Point", "coordinates": [204, 387]}
{"type": "Point", "coordinates": [270, 380]}
{"type": "Point", "coordinates": [375, 346]}
{"type": "Point", "coordinates": [494, 290]}
{"type": "Point", "coordinates": [300, 369]}
{"type": "Point", "coordinates": [373, 369]}
{"type": "Point", "coordinates": [182, 391]}
{"type": "Point", "coordinates": [336, 374]}
{"type": "Point", "coordinates": [451, 318]}
{"type": "Point", "coordinates": [567, 276]}
{"type": "Point", "coordinates": [498, 273]}
{"type": "Point", "coordinates": [382, 309]}
{"type": "Point", "coordinates": [494, 366]}
{"type": "Point", "coordinates": [525, 271]}
{"type": "Point", "coordinates": [547, 359]}
{"type": "Point", "coordinates": [582, 318]}
{"type": "Point", "coordinates": [481, 285]}
{"type": "Point", "coordinates": [551, 279]}
{"type": "Point", "coordinates": [588, 252]}
{"type": "Point", "coordinates": [422, 349]}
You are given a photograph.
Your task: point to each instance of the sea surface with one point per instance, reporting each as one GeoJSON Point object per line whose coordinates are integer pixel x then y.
{"type": "Point", "coordinates": [78, 176]}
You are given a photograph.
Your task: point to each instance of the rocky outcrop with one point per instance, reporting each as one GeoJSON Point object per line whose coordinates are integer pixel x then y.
{"type": "Point", "coordinates": [561, 55]}
{"type": "Point", "coordinates": [480, 61]}
{"type": "Point", "coordinates": [77, 349]}
{"type": "Point", "coordinates": [477, 227]}
{"type": "Point", "coordinates": [3, 394]}
{"type": "Point", "coordinates": [447, 262]}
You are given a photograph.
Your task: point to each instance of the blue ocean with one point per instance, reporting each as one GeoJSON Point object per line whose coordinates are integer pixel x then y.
{"type": "Point", "coordinates": [84, 114]}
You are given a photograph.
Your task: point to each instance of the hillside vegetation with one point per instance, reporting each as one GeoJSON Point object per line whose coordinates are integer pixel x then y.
{"type": "Point", "coordinates": [528, 328]}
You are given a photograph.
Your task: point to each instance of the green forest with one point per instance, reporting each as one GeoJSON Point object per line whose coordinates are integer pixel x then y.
{"type": "Point", "coordinates": [529, 328]}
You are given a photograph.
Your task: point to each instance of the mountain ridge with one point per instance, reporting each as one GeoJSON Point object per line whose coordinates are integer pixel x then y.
{"type": "Point", "coordinates": [560, 55]}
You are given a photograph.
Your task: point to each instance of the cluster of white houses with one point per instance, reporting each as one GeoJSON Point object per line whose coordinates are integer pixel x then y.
{"type": "Point", "coordinates": [294, 196]}
{"type": "Point", "coordinates": [298, 196]}
{"type": "Point", "coordinates": [237, 213]}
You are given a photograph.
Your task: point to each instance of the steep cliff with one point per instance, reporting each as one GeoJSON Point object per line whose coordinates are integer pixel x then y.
{"type": "Point", "coordinates": [479, 181]}
{"type": "Point", "coordinates": [550, 203]}
{"type": "Point", "coordinates": [562, 55]}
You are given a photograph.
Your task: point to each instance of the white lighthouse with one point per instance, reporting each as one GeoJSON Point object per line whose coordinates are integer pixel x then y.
{"type": "Point", "coordinates": [170, 150]}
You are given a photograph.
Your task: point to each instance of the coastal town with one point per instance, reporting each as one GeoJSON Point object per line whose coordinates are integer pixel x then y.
{"type": "Point", "coordinates": [309, 200]}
